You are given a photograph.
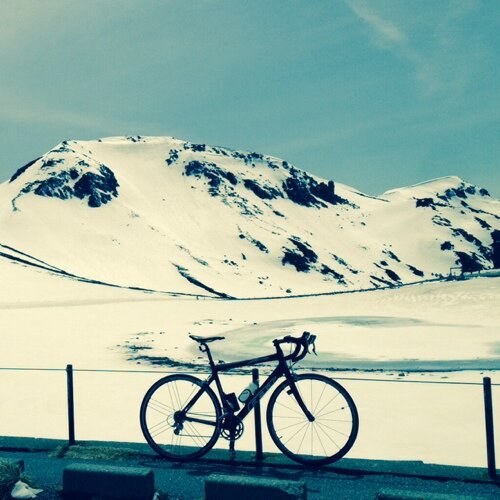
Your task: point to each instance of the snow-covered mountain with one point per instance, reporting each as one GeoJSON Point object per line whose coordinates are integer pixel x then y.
{"type": "Point", "coordinates": [165, 214]}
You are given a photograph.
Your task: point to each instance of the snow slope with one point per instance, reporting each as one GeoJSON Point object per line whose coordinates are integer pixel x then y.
{"type": "Point", "coordinates": [169, 215]}
{"type": "Point", "coordinates": [47, 321]}
{"type": "Point", "coordinates": [434, 326]}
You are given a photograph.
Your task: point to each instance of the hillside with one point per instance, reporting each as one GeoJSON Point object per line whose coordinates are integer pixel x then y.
{"type": "Point", "coordinates": [165, 214]}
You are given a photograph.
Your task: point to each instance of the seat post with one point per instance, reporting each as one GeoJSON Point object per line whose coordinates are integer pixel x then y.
{"type": "Point", "coordinates": [204, 348]}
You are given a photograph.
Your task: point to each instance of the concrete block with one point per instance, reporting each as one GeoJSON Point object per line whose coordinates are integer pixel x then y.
{"type": "Point", "coordinates": [108, 481]}
{"type": "Point", "coordinates": [394, 494]}
{"type": "Point", "coordinates": [219, 487]}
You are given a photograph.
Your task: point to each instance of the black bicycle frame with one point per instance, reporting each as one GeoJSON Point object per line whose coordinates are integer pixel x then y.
{"type": "Point", "coordinates": [281, 370]}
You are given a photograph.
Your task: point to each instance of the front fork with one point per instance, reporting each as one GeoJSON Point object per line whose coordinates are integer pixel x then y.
{"type": "Point", "coordinates": [291, 377]}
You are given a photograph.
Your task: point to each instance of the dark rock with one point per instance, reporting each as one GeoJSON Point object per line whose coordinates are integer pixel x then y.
{"type": "Point", "coordinates": [214, 174]}
{"type": "Point", "coordinates": [51, 162]}
{"type": "Point", "coordinates": [415, 271]}
{"type": "Point", "coordinates": [392, 255]}
{"type": "Point", "coordinates": [447, 245]}
{"type": "Point", "coordinates": [377, 281]}
{"type": "Point", "coordinates": [425, 202]}
{"type": "Point", "coordinates": [392, 275]}
{"type": "Point", "coordinates": [134, 138]}
{"type": "Point", "coordinates": [467, 236]}
{"type": "Point", "coordinates": [301, 258]}
{"type": "Point", "coordinates": [495, 250]}
{"type": "Point", "coordinates": [470, 262]}
{"type": "Point", "coordinates": [441, 221]}
{"type": "Point", "coordinates": [482, 223]}
{"type": "Point", "coordinates": [329, 271]}
{"type": "Point", "coordinates": [304, 190]}
{"type": "Point", "coordinates": [54, 187]}
{"type": "Point", "coordinates": [230, 177]}
{"type": "Point", "coordinates": [220, 151]}
{"type": "Point", "coordinates": [246, 158]}
{"type": "Point", "coordinates": [99, 188]}
{"type": "Point", "coordinates": [461, 192]}
{"type": "Point", "coordinates": [298, 191]}
{"type": "Point", "coordinates": [256, 156]}
{"type": "Point", "coordinates": [173, 156]}
{"type": "Point", "coordinates": [325, 192]}
{"type": "Point", "coordinates": [23, 169]}
{"type": "Point", "coordinates": [263, 192]}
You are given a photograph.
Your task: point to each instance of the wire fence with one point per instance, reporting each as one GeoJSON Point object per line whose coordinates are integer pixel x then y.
{"type": "Point", "coordinates": [204, 370]}
{"type": "Point", "coordinates": [486, 385]}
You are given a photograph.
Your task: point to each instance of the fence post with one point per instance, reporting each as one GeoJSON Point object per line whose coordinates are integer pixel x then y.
{"type": "Point", "coordinates": [259, 455]}
{"type": "Point", "coordinates": [71, 405]}
{"type": "Point", "coordinates": [488, 416]}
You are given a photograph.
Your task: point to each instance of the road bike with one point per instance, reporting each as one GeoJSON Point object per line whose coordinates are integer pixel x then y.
{"type": "Point", "coordinates": [311, 418]}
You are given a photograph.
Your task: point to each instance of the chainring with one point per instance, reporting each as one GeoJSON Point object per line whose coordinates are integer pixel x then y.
{"type": "Point", "coordinates": [231, 427]}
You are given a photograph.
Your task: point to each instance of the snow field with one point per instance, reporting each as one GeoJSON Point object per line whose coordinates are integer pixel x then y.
{"type": "Point", "coordinates": [47, 322]}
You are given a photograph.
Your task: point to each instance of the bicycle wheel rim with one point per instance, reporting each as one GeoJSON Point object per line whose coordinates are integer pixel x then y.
{"type": "Point", "coordinates": [174, 438]}
{"type": "Point", "coordinates": [332, 433]}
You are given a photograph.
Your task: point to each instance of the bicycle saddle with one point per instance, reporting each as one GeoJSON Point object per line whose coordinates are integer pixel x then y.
{"type": "Point", "coordinates": [205, 340]}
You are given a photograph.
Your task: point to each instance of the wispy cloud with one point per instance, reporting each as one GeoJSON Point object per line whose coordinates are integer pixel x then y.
{"type": "Point", "coordinates": [384, 28]}
{"type": "Point", "coordinates": [432, 68]}
{"type": "Point", "coordinates": [16, 108]}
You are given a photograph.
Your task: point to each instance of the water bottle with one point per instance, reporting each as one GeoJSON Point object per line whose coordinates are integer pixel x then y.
{"type": "Point", "coordinates": [248, 392]}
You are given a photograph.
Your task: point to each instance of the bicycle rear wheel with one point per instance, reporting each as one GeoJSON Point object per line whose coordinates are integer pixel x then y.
{"type": "Point", "coordinates": [180, 417]}
{"type": "Point", "coordinates": [332, 432]}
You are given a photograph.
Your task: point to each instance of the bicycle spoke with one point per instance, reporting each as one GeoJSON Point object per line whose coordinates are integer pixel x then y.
{"type": "Point", "coordinates": [320, 427]}
{"type": "Point", "coordinates": [288, 426]}
{"type": "Point", "coordinates": [159, 424]}
{"type": "Point", "coordinates": [199, 441]}
{"type": "Point", "coordinates": [161, 429]}
{"type": "Point", "coordinates": [332, 429]}
{"type": "Point", "coordinates": [334, 420]}
{"type": "Point", "coordinates": [172, 433]}
{"type": "Point", "coordinates": [303, 437]}
{"type": "Point", "coordinates": [333, 411]}
{"type": "Point", "coordinates": [328, 436]}
{"type": "Point", "coordinates": [178, 397]}
{"type": "Point", "coordinates": [189, 397]}
{"type": "Point", "coordinates": [331, 400]}
{"type": "Point", "coordinates": [293, 435]}
{"type": "Point", "coordinates": [291, 409]}
{"type": "Point", "coordinates": [321, 395]}
{"type": "Point", "coordinates": [311, 387]}
{"type": "Point", "coordinates": [170, 393]}
{"type": "Point", "coordinates": [160, 409]}
{"type": "Point", "coordinates": [320, 440]}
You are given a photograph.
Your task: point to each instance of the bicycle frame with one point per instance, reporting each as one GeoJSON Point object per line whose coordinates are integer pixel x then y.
{"type": "Point", "coordinates": [281, 370]}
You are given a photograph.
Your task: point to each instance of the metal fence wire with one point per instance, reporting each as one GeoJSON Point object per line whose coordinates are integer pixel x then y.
{"type": "Point", "coordinates": [70, 370]}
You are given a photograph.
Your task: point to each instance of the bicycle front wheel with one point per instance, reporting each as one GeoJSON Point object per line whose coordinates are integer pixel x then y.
{"type": "Point", "coordinates": [180, 417]}
{"type": "Point", "coordinates": [323, 440]}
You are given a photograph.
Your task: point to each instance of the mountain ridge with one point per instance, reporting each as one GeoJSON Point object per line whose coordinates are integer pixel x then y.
{"type": "Point", "coordinates": [162, 213]}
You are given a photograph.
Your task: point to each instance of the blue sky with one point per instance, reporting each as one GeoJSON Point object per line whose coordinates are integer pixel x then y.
{"type": "Point", "coordinates": [375, 94]}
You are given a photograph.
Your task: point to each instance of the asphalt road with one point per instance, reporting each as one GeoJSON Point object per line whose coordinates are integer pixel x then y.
{"type": "Point", "coordinates": [186, 481]}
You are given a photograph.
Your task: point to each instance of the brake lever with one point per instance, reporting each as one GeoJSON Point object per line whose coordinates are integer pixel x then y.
{"type": "Point", "coordinates": [312, 343]}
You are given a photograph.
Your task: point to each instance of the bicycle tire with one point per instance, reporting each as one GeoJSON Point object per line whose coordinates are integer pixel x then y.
{"type": "Point", "coordinates": [323, 441]}
{"type": "Point", "coordinates": [160, 428]}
